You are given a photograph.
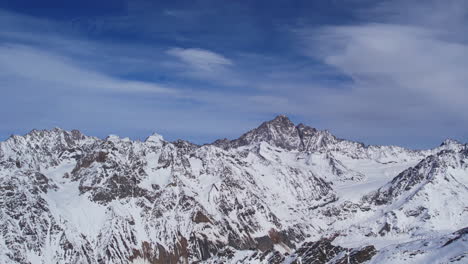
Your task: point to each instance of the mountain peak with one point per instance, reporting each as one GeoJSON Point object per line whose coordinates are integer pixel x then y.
{"type": "Point", "coordinates": [44, 132]}
{"type": "Point", "coordinates": [449, 142]}
{"type": "Point", "coordinates": [112, 137]}
{"type": "Point", "coordinates": [281, 122]}
{"type": "Point", "coordinates": [155, 138]}
{"type": "Point", "coordinates": [280, 132]}
{"type": "Point", "coordinates": [282, 119]}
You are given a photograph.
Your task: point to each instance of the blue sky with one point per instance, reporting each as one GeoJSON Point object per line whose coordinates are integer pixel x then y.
{"type": "Point", "coordinates": [381, 72]}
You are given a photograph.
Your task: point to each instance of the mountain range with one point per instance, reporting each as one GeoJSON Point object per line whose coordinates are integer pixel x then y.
{"type": "Point", "coordinates": [280, 193]}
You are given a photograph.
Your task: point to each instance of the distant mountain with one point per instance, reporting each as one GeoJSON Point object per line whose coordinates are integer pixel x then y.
{"type": "Point", "coordinates": [280, 193]}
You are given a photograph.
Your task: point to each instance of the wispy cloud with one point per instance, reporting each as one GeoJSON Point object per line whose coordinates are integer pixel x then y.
{"type": "Point", "coordinates": [26, 63]}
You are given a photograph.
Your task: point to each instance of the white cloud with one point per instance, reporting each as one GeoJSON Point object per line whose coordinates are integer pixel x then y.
{"type": "Point", "coordinates": [207, 66]}
{"type": "Point", "coordinates": [400, 71]}
{"type": "Point", "coordinates": [200, 59]}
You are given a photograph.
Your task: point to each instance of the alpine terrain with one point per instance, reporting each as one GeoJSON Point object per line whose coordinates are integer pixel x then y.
{"type": "Point", "coordinates": [280, 193]}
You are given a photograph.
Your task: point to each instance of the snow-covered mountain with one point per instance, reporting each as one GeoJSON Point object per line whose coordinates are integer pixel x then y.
{"type": "Point", "coordinates": [280, 193]}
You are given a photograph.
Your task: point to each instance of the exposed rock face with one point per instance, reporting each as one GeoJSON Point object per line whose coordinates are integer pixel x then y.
{"type": "Point", "coordinates": [323, 251]}
{"type": "Point", "coordinates": [270, 196]}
